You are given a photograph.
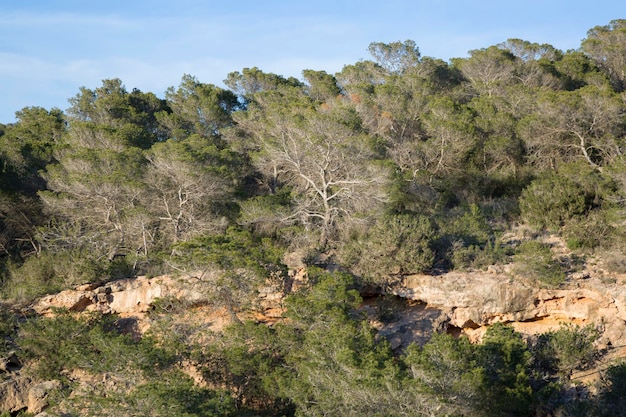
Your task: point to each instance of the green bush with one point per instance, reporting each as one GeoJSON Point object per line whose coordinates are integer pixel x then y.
{"type": "Point", "coordinates": [550, 202]}
{"type": "Point", "coordinates": [232, 265]}
{"type": "Point", "coordinates": [468, 240]}
{"type": "Point", "coordinates": [50, 272]}
{"type": "Point", "coordinates": [506, 387]}
{"type": "Point", "coordinates": [90, 342]}
{"type": "Point", "coordinates": [534, 260]}
{"type": "Point", "coordinates": [593, 231]}
{"type": "Point", "coordinates": [235, 249]}
{"type": "Point", "coordinates": [396, 245]}
{"type": "Point", "coordinates": [565, 350]}
{"type": "Point", "coordinates": [477, 257]}
{"type": "Point", "coordinates": [8, 328]}
{"type": "Point", "coordinates": [171, 394]}
{"type": "Point", "coordinates": [446, 367]}
{"type": "Point", "coordinates": [471, 227]}
{"type": "Point", "coordinates": [612, 396]}
{"type": "Point", "coordinates": [147, 374]}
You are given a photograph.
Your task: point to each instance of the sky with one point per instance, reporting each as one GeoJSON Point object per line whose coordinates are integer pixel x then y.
{"type": "Point", "coordinates": [49, 49]}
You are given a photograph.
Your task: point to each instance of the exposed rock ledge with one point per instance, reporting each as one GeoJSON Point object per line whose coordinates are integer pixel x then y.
{"type": "Point", "coordinates": [135, 296]}
{"type": "Point", "coordinates": [472, 301]}
{"type": "Point", "coordinates": [131, 295]}
{"type": "Point", "coordinates": [467, 301]}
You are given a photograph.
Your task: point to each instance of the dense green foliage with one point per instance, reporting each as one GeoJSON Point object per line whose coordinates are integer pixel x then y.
{"type": "Point", "coordinates": [144, 377]}
{"type": "Point", "coordinates": [339, 164]}
{"type": "Point", "coordinates": [397, 165]}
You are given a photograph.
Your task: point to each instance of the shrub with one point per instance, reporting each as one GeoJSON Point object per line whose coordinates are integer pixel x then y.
{"type": "Point", "coordinates": [172, 394]}
{"type": "Point", "coordinates": [396, 245]}
{"type": "Point", "coordinates": [233, 250]}
{"type": "Point", "coordinates": [8, 327]}
{"type": "Point", "coordinates": [233, 265]}
{"type": "Point", "coordinates": [471, 227]}
{"type": "Point", "coordinates": [447, 367]}
{"type": "Point", "coordinates": [565, 350]}
{"type": "Point", "coordinates": [91, 342]}
{"type": "Point", "coordinates": [593, 231]}
{"type": "Point", "coordinates": [549, 202]}
{"type": "Point", "coordinates": [468, 240]}
{"type": "Point", "coordinates": [504, 357]}
{"type": "Point", "coordinates": [534, 260]}
{"type": "Point", "coordinates": [51, 272]}
{"type": "Point", "coordinates": [477, 257]}
{"type": "Point", "coordinates": [612, 397]}
{"type": "Point", "coordinates": [146, 373]}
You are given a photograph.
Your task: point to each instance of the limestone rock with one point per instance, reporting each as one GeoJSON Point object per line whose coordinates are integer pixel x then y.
{"type": "Point", "coordinates": [475, 300]}
{"type": "Point", "coordinates": [467, 301]}
{"type": "Point", "coordinates": [21, 393]}
{"type": "Point", "coordinates": [9, 363]}
{"type": "Point", "coordinates": [131, 295]}
{"type": "Point", "coordinates": [38, 395]}
{"type": "Point", "coordinates": [14, 394]}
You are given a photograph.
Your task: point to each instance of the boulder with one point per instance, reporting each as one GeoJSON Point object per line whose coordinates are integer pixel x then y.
{"type": "Point", "coordinates": [130, 295]}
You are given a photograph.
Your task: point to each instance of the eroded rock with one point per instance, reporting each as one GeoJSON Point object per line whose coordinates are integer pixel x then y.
{"type": "Point", "coordinates": [131, 295]}
{"type": "Point", "coordinates": [23, 394]}
{"type": "Point", "coordinates": [10, 363]}
{"type": "Point", "coordinates": [468, 302]}
{"type": "Point", "coordinates": [475, 300]}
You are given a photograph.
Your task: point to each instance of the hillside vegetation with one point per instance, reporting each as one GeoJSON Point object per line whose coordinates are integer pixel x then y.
{"type": "Point", "coordinates": [397, 165]}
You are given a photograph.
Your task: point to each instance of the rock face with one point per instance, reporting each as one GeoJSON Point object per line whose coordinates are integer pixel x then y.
{"type": "Point", "coordinates": [132, 295]}
{"type": "Point", "coordinates": [135, 296]}
{"type": "Point", "coordinates": [22, 394]}
{"type": "Point", "coordinates": [473, 301]}
{"type": "Point", "coordinates": [465, 302]}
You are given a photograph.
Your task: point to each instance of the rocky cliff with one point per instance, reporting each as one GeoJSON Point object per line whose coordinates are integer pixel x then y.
{"type": "Point", "coordinates": [466, 302]}
{"type": "Point", "coordinates": [471, 302]}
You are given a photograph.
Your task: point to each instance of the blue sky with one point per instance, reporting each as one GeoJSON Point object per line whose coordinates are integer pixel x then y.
{"type": "Point", "coordinates": [50, 48]}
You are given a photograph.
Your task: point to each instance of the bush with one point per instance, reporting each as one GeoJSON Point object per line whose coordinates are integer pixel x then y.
{"type": "Point", "coordinates": [550, 202]}
{"type": "Point", "coordinates": [91, 342]}
{"type": "Point", "coordinates": [471, 227]}
{"type": "Point", "coordinates": [506, 387]}
{"type": "Point", "coordinates": [236, 249]}
{"type": "Point", "coordinates": [447, 367]}
{"type": "Point", "coordinates": [612, 396]}
{"type": "Point", "coordinates": [148, 380]}
{"type": "Point", "coordinates": [534, 260]}
{"type": "Point", "coordinates": [172, 394]}
{"type": "Point", "coordinates": [8, 327]}
{"type": "Point", "coordinates": [233, 266]}
{"type": "Point", "coordinates": [565, 350]}
{"type": "Point", "coordinates": [477, 257]}
{"type": "Point", "coordinates": [592, 231]}
{"type": "Point", "coordinates": [468, 240]}
{"type": "Point", "coordinates": [396, 245]}
{"type": "Point", "coordinates": [52, 272]}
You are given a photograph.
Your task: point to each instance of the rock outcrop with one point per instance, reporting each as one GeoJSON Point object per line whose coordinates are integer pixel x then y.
{"type": "Point", "coordinates": [23, 394]}
{"type": "Point", "coordinates": [465, 302]}
{"type": "Point", "coordinates": [131, 295]}
{"type": "Point", "coordinates": [473, 301]}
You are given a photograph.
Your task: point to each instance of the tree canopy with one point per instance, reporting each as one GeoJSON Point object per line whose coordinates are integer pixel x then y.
{"type": "Point", "coordinates": [396, 165]}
